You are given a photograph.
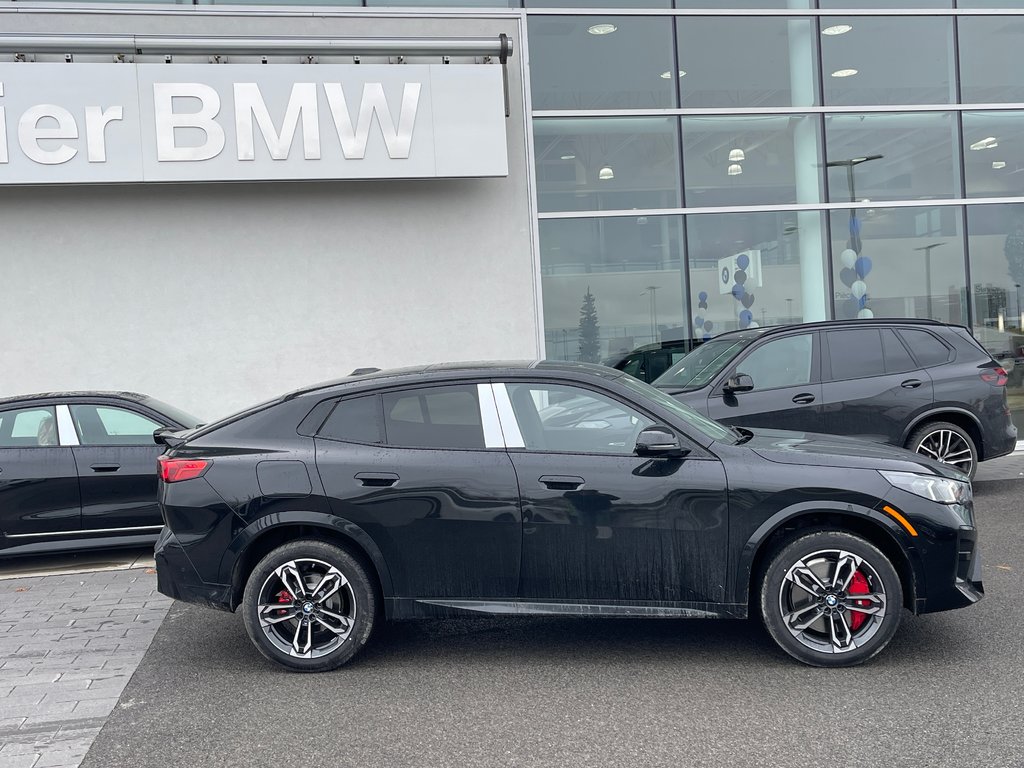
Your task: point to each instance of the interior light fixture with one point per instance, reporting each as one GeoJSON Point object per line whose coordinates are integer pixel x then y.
{"type": "Point", "coordinates": [736, 156]}
{"type": "Point", "coordinates": [606, 173]}
{"type": "Point", "coordinates": [836, 29]}
{"type": "Point", "coordinates": [844, 73]}
{"type": "Point", "coordinates": [735, 169]}
{"type": "Point", "coordinates": [998, 165]}
{"type": "Point", "coordinates": [568, 157]}
{"type": "Point", "coordinates": [986, 143]}
{"type": "Point", "coordinates": [601, 29]}
{"type": "Point", "coordinates": [668, 74]}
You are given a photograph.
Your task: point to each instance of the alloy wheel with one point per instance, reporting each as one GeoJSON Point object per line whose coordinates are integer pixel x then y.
{"type": "Point", "coordinates": [949, 447]}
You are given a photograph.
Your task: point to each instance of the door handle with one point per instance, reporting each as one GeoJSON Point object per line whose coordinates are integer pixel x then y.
{"type": "Point", "coordinates": [911, 384]}
{"type": "Point", "coordinates": [803, 397]}
{"type": "Point", "coordinates": [562, 482]}
{"type": "Point", "coordinates": [377, 479]}
{"type": "Point", "coordinates": [105, 467]}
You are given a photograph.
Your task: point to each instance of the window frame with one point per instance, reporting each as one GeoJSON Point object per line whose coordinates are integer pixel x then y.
{"type": "Point", "coordinates": [71, 428]}
{"type": "Point", "coordinates": [950, 351]}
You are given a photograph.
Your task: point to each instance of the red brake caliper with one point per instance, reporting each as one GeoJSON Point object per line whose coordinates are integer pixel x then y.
{"type": "Point", "coordinates": [284, 596]}
{"type": "Point", "coordinates": [858, 586]}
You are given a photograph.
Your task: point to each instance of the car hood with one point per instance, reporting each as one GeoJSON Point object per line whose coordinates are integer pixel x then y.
{"type": "Point", "coordinates": [812, 449]}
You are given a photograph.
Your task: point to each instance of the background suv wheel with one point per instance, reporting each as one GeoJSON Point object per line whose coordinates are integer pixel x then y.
{"type": "Point", "coordinates": [947, 443]}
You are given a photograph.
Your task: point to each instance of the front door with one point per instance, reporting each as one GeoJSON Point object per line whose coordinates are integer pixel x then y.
{"type": "Point", "coordinates": [38, 482]}
{"type": "Point", "coordinates": [599, 522]}
{"type": "Point", "coordinates": [116, 459]}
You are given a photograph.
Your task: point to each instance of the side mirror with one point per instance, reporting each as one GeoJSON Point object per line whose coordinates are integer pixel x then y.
{"type": "Point", "coordinates": [659, 442]}
{"type": "Point", "coordinates": [741, 382]}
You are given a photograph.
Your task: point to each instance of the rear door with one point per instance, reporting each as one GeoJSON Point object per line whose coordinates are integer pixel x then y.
{"type": "Point", "coordinates": [425, 473]}
{"type": "Point", "coordinates": [38, 481]}
{"type": "Point", "coordinates": [787, 386]}
{"type": "Point", "coordinates": [116, 459]}
{"type": "Point", "coordinates": [873, 387]}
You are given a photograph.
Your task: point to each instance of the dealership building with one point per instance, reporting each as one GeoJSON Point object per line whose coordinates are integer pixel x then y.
{"type": "Point", "coordinates": [214, 203]}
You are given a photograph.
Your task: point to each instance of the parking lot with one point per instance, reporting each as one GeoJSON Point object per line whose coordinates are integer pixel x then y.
{"type": "Point", "coordinates": [526, 692]}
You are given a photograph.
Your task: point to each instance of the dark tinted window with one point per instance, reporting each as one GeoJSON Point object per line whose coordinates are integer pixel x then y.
{"type": "Point", "coordinates": [435, 417]}
{"type": "Point", "coordinates": [855, 354]}
{"type": "Point", "coordinates": [357, 420]}
{"type": "Point", "coordinates": [927, 349]}
{"type": "Point", "coordinates": [897, 359]}
{"type": "Point", "coordinates": [784, 362]}
{"type": "Point", "coordinates": [28, 428]}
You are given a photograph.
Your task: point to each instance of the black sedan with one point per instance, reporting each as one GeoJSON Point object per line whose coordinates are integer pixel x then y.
{"type": "Point", "coordinates": [549, 488]}
{"type": "Point", "coordinates": [78, 470]}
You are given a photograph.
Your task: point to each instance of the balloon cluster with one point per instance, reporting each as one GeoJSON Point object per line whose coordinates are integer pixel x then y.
{"type": "Point", "coordinates": [739, 292]}
{"type": "Point", "coordinates": [855, 269]}
{"type": "Point", "coordinates": [699, 323]}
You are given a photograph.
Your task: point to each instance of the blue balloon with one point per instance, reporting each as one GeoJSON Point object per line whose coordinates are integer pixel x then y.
{"type": "Point", "coordinates": [862, 266]}
{"type": "Point", "coordinates": [743, 261]}
{"type": "Point", "coordinates": [698, 321]}
{"type": "Point", "coordinates": [746, 316]}
{"type": "Point", "coordinates": [738, 291]}
{"type": "Point", "coordinates": [854, 226]}
{"type": "Point", "coordinates": [862, 301]}
{"type": "Point", "coordinates": [703, 295]}
{"type": "Point", "coordinates": [708, 325]}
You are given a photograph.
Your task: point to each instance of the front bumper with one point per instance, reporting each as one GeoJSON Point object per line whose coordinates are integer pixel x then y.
{"type": "Point", "coordinates": [964, 585]}
{"type": "Point", "coordinates": [177, 578]}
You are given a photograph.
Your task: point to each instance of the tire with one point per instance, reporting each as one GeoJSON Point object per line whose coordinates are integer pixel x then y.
{"type": "Point", "coordinates": [311, 634]}
{"type": "Point", "coordinates": [796, 618]}
{"type": "Point", "coordinates": [947, 443]}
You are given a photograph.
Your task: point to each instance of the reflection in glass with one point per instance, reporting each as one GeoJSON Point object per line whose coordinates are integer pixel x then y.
{"type": "Point", "coordinates": [917, 156]}
{"type": "Point", "coordinates": [588, 164]}
{"type": "Point", "coordinates": [751, 269]}
{"type": "Point", "coordinates": [996, 247]}
{"type": "Point", "coordinates": [734, 61]}
{"type": "Point", "coordinates": [899, 262]}
{"type": "Point", "coordinates": [632, 266]}
{"type": "Point", "coordinates": [598, 3]}
{"type": "Point", "coordinates": [857, 4]}
{"type": "Point", "coordinates": [991, 67]}
{"type": "Point", "coordinates": [767, 160]}
{"type": "Point", "coordinates": [994, 158]}
{"type": "Point", "coordinates": [571, 68]}
{"type": "Point", "coordinates": [887, 60]}
{"type": "Point", "coordinates": [795, 4]}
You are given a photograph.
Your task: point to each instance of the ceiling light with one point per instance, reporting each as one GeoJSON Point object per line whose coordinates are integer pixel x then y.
{"type": "Point", "coordinates": [998, 164]}
{"type": "Point", "coordinates": [668, 74]}
{"type": "Point", "coordinates": [987, 143]}
{"type": "Point", "coordinates": [844, 73]}
{"type": "Point", "coordinates": [602, 29]}
{"type": "Point", "coordinates": [836, 29]}
{"type": "Point", "coordinates": [736, 156]}
{"type": "Point", "coordinates": [568, 157]}
{"type": "Point", "coordinates": [735, 169]}
{"type": "Point", "coordinates": [606, 173]}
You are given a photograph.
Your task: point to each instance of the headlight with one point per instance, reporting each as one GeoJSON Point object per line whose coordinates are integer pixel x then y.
{"type": "Point", "coordinates": [940, 489]}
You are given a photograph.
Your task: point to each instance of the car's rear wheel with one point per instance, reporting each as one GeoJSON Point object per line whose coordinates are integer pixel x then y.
{"type": "Point", "coordinates": [947, 443]}
{"type": "Point", "coordinates": [831, 599]}
{"type": "Point", "coordinates": [309, 606]}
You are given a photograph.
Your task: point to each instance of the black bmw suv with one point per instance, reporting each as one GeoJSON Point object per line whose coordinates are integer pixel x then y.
{"type": "Point", "coordinates": [550, 489]}
{"type": "Point", "coordinates": [918, 384]}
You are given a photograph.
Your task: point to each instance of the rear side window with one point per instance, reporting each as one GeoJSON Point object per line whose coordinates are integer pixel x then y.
{"type": "Point", "coordinates": [434, 417]}
{"type": "Point", "coordinates": [897, 358]}
{"type": "Point", "coordinates": [28, 428]}
{"type": "Point", "coordinates": [855, 354]}
{"type": "Point", "coordinates": [927, 349]}
{"type": "Point", "coordinates": [356, 420]}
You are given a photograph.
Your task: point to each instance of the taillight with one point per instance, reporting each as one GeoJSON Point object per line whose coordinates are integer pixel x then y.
{"type": "Point", "coordinates": [996, 376]}
{"type": "Point", "coordinates": [176, 470]}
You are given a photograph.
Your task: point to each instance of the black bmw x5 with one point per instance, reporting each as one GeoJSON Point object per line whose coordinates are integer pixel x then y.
{"type": "Point", "coordinates": [550, 488]}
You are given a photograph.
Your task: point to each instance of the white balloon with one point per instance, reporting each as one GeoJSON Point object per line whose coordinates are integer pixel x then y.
{"type": "Point", "coordinates": [753, 324]}
{"type": "Point", "coordinates": [865, 314]}
{"type": "Point", "coordinates": [859, 288]}
{"type": "Point", "coordinates": [848, 257]}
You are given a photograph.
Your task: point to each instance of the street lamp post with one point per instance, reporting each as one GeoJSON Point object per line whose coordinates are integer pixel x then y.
{"type": "Point", "coordinates": [652, 292]}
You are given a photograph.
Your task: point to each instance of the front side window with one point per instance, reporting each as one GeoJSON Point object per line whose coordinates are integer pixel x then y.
{"type": "Point", "coordinates": [555, 417]}
{"type": "Point", "coordinates": [434, 417]}
{"type": "Point", "coordinates": [784, 362]}
{"type": "Point", "coordinates": [28, 428]}
{"type": "Point", "coordinates": [104, 425]}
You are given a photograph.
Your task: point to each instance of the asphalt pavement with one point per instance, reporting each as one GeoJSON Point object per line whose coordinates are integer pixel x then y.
{"type": "Point", "coordinates": [599, 692]}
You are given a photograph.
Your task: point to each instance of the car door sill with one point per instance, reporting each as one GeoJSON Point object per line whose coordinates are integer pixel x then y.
{"type": "Point", "coordinates": [84, 532]}
{"type": "Point", "coordinates": [637, 610]}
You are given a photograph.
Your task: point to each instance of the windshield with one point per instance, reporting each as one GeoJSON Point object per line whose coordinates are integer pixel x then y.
{"type": "Point", "coordinates": [700, 366]}
{"type": "Point", "coordinates": [698, 421]}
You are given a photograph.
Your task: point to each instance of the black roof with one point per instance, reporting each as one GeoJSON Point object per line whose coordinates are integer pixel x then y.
{"type": "Point", "coordinates": [133, 396]}
{"type": "Point", "coordinates": [876, 321]}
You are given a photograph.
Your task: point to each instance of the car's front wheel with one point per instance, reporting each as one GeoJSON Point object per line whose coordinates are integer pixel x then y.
{"type": "Point", "coordinates": [309, 606]}
{"type": "Point", "coordinates": [831, 599]}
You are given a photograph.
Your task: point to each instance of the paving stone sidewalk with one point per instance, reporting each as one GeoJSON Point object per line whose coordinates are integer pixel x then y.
{"type": "Point", "coordinates": [68, 646]}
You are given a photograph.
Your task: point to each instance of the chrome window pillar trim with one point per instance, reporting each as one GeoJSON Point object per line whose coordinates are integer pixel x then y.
{"type": "Point", "coordinates": [83, 531]}
{"type": "Point", "coordinates": [493, 437]}
{"type": "Point", "coordinates": [825, 207]}
{"type": "Point", "coordinates": [856, 109]}
{"type": "Point", "coordinates": [67, 435]}
{"type": "Point", "coordinates": [509, 423]}
{"type": "Point", "coordinates": [783, 12]}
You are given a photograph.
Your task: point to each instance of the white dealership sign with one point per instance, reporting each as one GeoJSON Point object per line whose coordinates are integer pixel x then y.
{"type": "Point", "coordinates": [89, 123]}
